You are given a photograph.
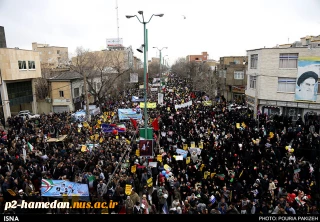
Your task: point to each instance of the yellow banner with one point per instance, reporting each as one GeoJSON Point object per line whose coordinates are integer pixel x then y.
{"type": "Point", "coordinates": [201, 167]}
{"type": "Point", "coordinates": [159, 158]}
{"type": "Point", "coordinates": [150, 182]}
{"type": "Point", "coordinates": [96, 136]}
{"type": "Point", "coordinates": [101, 140]}
{"type": "Point", "coordinates": [192, 144]}
{"type": "Point", "coordinates": [133, 168]}
{"type": "Point", "coordinates": [207, 103]}
{"type": "Point", "coordinates": [137, 152]}
{"type": "Point", "coordinates": [149, 105]}
{"type": "Point", "coordinates": [99, 122]}
{"type": "Point", "coordinates": [188, 160]}
{"type": "Point", "coordinates": [212, 175]}
{"type": "Point", "coordinates": [84, 148]}
{"type": "Point", "coordinates": [128, 189]}
{"type": "Point", "coordinates": [185, 146]}
{"type": "Point", "coordinates": [243, 125]}
{"type": "Point", "coordinates": [166, 167]}
{"type": "Point", "coordinates": [85, 124]}
{"type": "Point", "coordinates": [206, 174]}
{"type": "Point", "coordinates": [201, 145]}
{"type": "Point", "coordinates": [237, 125]}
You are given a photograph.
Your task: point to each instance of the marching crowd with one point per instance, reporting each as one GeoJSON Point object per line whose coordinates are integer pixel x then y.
{"type": "Point", "coordinates": [211, 158]}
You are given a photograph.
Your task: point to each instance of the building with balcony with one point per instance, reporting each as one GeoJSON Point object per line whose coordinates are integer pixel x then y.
{"type": "Point", "coordinates": [278, 76]}
{"type": "Point", "coordinates": [232, 71]}
{"type": "Point", "coordinates": [18, 71]}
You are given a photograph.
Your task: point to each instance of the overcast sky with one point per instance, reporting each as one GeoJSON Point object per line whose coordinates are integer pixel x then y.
{"type": "Point", "coordinates": [220, 27]}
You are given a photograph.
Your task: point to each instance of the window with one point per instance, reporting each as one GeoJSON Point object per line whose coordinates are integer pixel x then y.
{"type": "Point", "coordinates": [76, 92]}
{"type": "Point", "coordinates": [22, 64]}
{"type": "Point", "coordinates": [61, 93]}
{"type": "Point", "coordinates": [254, 61]}
{"type": "Point", "coordinates": [286, 84]}
{"type": "Point", "coordinates": [288, 60]}
{"type": "Point", "coordinates": [238, 74]}
{"type": "Point", "coordinates": [253, 82]}
{"type": "Point", "coordinates": [31, 65]}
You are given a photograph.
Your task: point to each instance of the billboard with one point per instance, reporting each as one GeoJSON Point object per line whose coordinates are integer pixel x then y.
{"type": "Point", "coordinates": [145, 147]}
{"type": "Point", "coordinates": [307, 79]}
{"type": "Point", "coordinates": [60, 188]}
{"type": "Point", "coordinates": [134, 77]}
{"type": "Point", "coordinates": [114, 42]}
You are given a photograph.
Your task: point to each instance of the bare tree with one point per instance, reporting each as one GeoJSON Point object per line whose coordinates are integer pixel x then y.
{"type": "Point", "coordinates": [180, 68]}
{"type": "Point", "coordinates": [206, 80]}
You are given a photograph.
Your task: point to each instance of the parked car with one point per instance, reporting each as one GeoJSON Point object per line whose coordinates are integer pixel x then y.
{"type": "Point", "coordinates": [27, 113]}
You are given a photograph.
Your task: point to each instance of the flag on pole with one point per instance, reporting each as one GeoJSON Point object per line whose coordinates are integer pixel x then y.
{"type": "Point", "coordinates": [134, 123]}
{"type": "Point", "coordinates": [155, 124]}
{"type": "Point", "coordinates": [91, 179]}
{"type": "Point", "coordinates": [30, 146]}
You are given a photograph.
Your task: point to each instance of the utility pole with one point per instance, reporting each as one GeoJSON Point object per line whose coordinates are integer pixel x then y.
{"type": "Point", "coordinates": [86, 97]}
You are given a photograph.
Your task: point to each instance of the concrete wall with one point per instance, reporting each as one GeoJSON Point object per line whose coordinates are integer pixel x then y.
{"type": "Point", "coordinates": [44, 107]}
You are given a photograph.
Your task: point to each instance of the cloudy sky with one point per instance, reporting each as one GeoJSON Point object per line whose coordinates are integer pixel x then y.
{"type": "Point", "coordinates": [220, 27]}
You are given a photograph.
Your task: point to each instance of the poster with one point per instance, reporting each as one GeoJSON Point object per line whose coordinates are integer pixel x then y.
{"type": "Point", "coordinates": [307, 79]}
{"type": "Point", "coordinates": [58, 188]}
{"type": "Point", "coordinates": [126, 114]}
{"type": "Point", "coordinates": [145, 147]}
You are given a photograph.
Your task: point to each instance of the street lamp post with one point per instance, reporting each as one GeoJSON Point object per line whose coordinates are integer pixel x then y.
{"type": "Point", "coordinates": [160, 73]}
{"type": "Point", "coordinates": [144, 63]}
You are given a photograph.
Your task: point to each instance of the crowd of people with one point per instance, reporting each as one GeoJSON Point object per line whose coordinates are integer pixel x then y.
{"type": "Point", "coordinates": [211, 158]}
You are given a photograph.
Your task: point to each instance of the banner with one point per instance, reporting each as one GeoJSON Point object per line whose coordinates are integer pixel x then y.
{"type": "Point", "coordinates": [145, 147]}
{"type": "Point", "coordinates": [126, 114]}
{"type": "Point", "coordinates": [128, 189]}
{"type": "Point", "coordinates": [160, 98]}
{"type": "Point", "coordinates": [108, 128]}
{"type": "Point", "coordinates": [58, 188]}
{"type": "Point", "coordinates": [149, 105]}
{"type": "Point", "coordinates": [137, 99]}
{"type": "Point", "coordinates": [183, 105]}
{"type": "Point", "coordinates": [207, 103]}
{"type": "Point", "coordinates": [307, 78]}
{"type": "Point", "coordinates": [184, 153]}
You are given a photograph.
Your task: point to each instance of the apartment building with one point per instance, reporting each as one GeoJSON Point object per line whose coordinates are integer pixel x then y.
{"type": "Point", "coordinates": [232, 71]}
{"type": "Point", "coordinates": [52, 57]}
{"type": "Point", "coordinates": [284, 79]}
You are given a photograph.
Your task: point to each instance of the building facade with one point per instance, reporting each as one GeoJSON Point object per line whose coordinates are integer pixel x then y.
{"type": "Point", "coordinates": [232, 72]}
{"type": "Point", "coordinates": [198, 58]}
{"type": "Point", "coordinates": [18, 71]}
{"type": "Point", "coordinates": [52, 56]}
{"type": "Point", "coordinates": [274, 82]}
